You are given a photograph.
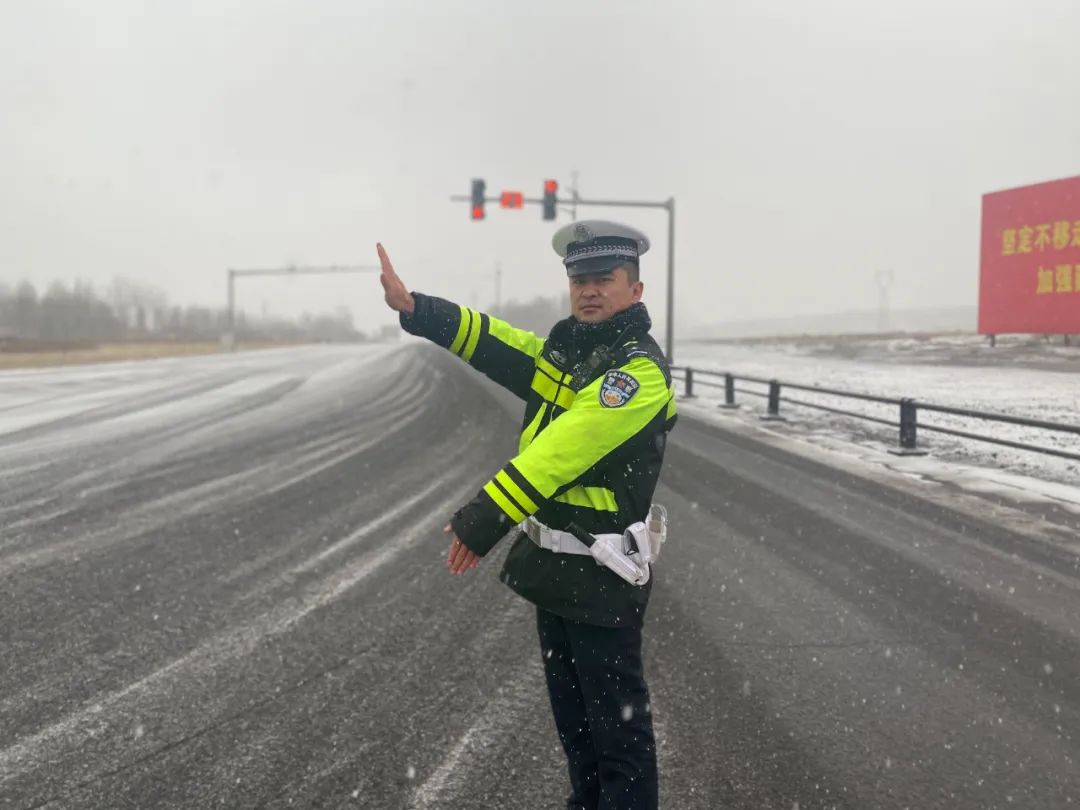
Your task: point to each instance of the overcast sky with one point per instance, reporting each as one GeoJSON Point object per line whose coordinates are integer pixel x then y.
{"type": "Point", "coordinates": [807, 144]}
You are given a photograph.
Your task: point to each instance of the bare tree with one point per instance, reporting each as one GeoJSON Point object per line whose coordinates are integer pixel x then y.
{"type": "Point", "coordinates": [7, 311]}
{"type": "Point", "coordinates": [25, 310]}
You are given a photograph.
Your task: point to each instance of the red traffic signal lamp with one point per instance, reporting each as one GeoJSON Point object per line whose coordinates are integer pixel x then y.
{"type": "Point", "coordinates": [478, 189]}
{"type": "Point", "coordinates": [512, 199]}
{"type": "Point", "coordinates": [551, 189]}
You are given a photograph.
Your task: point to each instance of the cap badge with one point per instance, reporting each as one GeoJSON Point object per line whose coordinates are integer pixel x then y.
{"type": "Point", "coordinates": [583, 233]}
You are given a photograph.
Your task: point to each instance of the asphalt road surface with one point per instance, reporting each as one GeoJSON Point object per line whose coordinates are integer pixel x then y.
{"type": "Point", "coordinates": [222, 584]}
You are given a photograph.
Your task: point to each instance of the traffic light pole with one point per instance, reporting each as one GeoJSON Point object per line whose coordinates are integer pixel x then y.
{"type": "Point", "coordinates": [669, 206]}
{"type": "Point", "coordinates": [230, 336]}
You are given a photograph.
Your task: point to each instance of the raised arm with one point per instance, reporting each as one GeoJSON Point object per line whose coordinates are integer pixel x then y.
{"type": "Point", "coordinates": [504, 354]}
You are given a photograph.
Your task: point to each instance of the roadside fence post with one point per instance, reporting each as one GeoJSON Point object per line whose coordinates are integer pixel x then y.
{"type": "Point", "coordinates": [909, 430]}
{"type": "Point", "coordinates": [729, 392]}
{"type": "Point", "coordinates": [773, 414]}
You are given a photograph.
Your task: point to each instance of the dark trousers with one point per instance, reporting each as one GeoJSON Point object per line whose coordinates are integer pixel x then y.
{"type": "Point", "coordinates": [602, 712]}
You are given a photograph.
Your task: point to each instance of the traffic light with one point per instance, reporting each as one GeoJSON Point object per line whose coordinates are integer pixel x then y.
{"type": "Point", "coordinates": [551, 187]}
{"type": "Point", "coordinates": [478, 189]}
{"type": "Point", "coordinates": [512, 199]}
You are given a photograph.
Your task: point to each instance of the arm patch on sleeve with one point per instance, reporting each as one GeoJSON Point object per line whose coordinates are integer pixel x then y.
{"type": "Point", "coordinates": [617, 389]}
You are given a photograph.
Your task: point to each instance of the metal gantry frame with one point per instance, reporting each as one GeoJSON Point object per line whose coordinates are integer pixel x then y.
{"type": "Point", "coordinates": [666, 205]}
{"type": "Point", "coordinates": [291, 270]}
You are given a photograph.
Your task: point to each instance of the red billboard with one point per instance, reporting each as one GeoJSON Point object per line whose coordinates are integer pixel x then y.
{"type": "Point", "coordinates": [1030, 267]}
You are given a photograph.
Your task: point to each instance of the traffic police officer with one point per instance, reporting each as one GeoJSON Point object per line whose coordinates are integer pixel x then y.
{"type": "Point", "coordinates": [599, 402]}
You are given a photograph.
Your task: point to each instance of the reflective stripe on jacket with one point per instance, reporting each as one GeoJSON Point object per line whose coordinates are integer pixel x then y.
{"type": "Point", "coordinates": [590, 449]}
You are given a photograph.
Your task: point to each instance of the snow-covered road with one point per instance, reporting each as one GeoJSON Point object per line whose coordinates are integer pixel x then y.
{"type": "Point", "coordinates": [222, 584]}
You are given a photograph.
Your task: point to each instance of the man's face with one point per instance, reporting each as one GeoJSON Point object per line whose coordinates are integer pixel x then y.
{"type": "Point", "coordinates": [596, 297]}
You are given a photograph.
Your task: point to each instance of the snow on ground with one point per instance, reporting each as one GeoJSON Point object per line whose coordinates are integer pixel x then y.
{"type": "Point", "coordinates": [955, 349]}
{"type": "Point", "coordinates": [1028, 379]}
{"type": "Point", "coordinates": [34, 397]}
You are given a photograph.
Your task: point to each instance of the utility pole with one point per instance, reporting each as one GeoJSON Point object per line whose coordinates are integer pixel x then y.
{"type": "Point", "coordinates": [498, 286]}
{"type": "Point", "coordinates": [573, 194]}
{"type": "Point", "coordinates": [884, 280]}
{"type": "Point", "coordinates": [229, 338]}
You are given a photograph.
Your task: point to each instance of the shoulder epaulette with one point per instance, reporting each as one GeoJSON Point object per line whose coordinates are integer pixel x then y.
{"type": "Point", "coordinates": [641, 347]}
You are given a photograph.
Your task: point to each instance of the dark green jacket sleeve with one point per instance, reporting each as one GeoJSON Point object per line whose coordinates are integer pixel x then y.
{"type": "Point", "coordinates": [504, 354]}
{"type": "Point", "coordinates": [594, 428]}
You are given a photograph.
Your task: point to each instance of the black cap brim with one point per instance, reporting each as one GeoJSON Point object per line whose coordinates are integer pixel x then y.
{"type": "Point", "coordinates": [597, 264]}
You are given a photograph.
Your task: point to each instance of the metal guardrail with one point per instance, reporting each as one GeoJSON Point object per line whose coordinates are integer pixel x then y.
{"type": "Point", "coordinates": [908, 423]}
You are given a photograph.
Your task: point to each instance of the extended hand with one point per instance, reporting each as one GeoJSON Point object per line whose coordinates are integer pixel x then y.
{"type": "Point", "coordinates": [398, 297]}
{"type": "Point", "coordinates": [460, 559]}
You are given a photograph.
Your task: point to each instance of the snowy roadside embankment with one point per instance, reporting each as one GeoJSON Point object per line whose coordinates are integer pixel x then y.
{"type": "Point", "coordinates": [1049, 395]}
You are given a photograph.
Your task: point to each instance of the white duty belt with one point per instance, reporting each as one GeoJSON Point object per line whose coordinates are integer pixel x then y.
{"type": "Point", "coordinates": [628, 554]}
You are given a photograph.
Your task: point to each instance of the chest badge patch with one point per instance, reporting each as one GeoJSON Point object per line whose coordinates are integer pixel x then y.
{"type": "Point", "coordinates": [617, 389]}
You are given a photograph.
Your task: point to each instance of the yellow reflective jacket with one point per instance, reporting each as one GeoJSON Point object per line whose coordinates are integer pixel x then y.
{"type": "Point", "coordinates": [590, 450]}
